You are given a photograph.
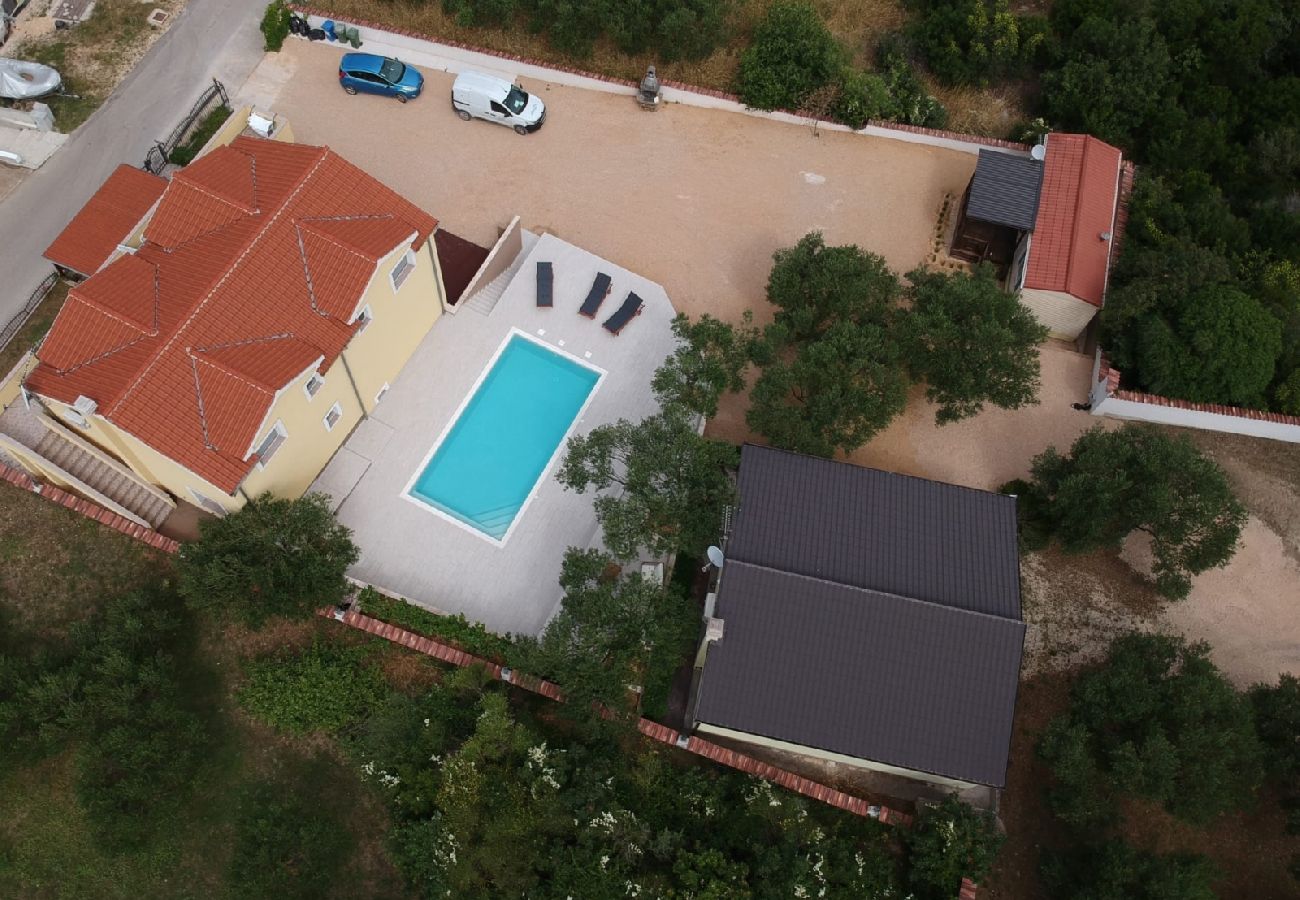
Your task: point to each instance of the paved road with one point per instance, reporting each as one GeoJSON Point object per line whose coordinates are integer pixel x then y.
{"type": "Point", "coordinates": [209, 39]}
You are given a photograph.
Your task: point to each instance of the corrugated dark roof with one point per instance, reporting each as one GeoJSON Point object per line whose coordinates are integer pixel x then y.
{"type": "Point", "coordinates": [878, 530]}
{"type": "Point", "coordinates": [1005, 190]}
{"type": "Point", "coordinates": [870, 675]}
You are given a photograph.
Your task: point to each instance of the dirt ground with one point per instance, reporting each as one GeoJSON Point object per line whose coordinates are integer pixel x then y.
{"type": "Point", "coordinates": [699, 200]}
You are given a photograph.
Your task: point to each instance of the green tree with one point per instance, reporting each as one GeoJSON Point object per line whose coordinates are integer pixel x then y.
{"type": "Point", "coordinates": [814, 286]}
{"type": "Point", "coordinates": [831, 393]}
{"type": "Point", "coordinates": [972, 343]}
{"type": "Point", "coordinates": [275, 25]}
{"type": "Point", "coordinates": [662, 485]}
{"type": "Point", "coordinates": [948, 842]}
{"type": "Point", "coordinates": [1155, 720]}
{"type": "Point", "coordinates": [711, 359]}
{"type": "Point", "coordinates": [611, 631]}
{"type": "Point", "coordinates": [1140, 479]}
{"type": "Point", "coordinates": [972, 41]}
{"type": "Point", "coordinates": [791, 55]}
{"type": "Point", "coordinates": [1220, 346]}
{"type": "Point", "coordinates": [1276, 708]}
{"type": "Point", "coordinates": [1114, 870]}
{"type": "Point", "coordinates": [272, 557]}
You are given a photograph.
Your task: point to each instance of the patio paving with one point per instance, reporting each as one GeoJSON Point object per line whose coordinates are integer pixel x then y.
{"type": "Point", "coordinates": [409, 550]}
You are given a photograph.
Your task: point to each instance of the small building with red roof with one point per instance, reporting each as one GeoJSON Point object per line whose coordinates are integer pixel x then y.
{"type": "Point", "coordinates": [272, 293]}
{"type": "Point", "coordinates": [1047, 222]}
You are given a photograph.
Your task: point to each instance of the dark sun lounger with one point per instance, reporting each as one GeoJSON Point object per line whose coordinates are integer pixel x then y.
{"type": "Point", "coordinates": [630, 309]}
{"type": "Point", "coordinates": [545, 284]}
{"type": "Point", "coordinates": [599, 291]}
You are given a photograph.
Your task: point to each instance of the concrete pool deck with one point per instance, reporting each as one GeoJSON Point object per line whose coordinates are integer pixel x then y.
{"type": "Point", "coordinates": [407, 548]}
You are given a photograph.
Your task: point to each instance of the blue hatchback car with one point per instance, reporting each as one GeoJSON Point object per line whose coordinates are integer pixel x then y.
{"type": "Point", "coordinates": [366, 73]}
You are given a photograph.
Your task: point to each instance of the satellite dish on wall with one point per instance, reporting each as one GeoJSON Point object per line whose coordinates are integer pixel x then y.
{"type": "Point", "coordinates": [715, 556]}
{"type": "Point", "coordinates": [1039, 152]}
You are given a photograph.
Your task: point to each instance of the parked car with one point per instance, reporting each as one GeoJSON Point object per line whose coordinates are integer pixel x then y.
{"type": "Point", "coordinates": [20, 80]}
{"type": "Point", "coordinates": [478, 96]}
{"type": "Point", "coordinates": [366, 73]}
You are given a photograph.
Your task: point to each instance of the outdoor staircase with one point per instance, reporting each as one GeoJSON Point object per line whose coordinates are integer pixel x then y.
{"type": "Point", "coordinates": [120, 487]}
{"type": "Point", "coordinates": [484, 300]}
{"type": "Point", "coordinates": [496, 521]}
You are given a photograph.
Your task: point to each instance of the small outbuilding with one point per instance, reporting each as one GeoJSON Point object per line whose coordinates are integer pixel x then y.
{"type": "Point", "coordinates": [1047, 223]}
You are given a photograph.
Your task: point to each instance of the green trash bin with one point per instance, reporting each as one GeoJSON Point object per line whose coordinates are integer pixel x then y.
{"type": "Point", "coordinates": [354, 36]}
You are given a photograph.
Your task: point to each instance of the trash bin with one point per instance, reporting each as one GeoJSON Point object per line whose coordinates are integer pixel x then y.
{"type": "Point", "coordinates": [354, 36]}
{"type": "Point", "coordinates": [328, 27]}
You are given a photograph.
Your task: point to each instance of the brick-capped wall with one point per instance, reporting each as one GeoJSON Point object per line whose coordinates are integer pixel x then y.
{"type": "Point", "coordinates": [89, 510]}
{"type": "Point", "coordinates": [653, 730]}
{"type": "Point", "coordinates": [307, 10]}
{"type": "Point", "coordinates": [1111, 376]}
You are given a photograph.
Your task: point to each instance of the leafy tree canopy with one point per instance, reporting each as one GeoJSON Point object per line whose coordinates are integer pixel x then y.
{"type": "Point", "coordinates": [1115, 870]}
{"type": "Point", "coordinates": [273, 557]}
{"type": "Point", "coordinates": [947, 843]}
{"type": "Point", "coordinates": [611, 631]}
{"type": "Point", "coordinates": [711, 359]}
{"type": "Point", "coordinates": [972, 343]}
{"type": "Point", "coordinates": [1139, 479]}
{"type": "Point", "coordinates": [814, 287]}
{"type": "Point", "coordinates": [832, 393]}
{"type": "Point", "coordinates": [792, 54]}
{"type": "Point", "coordinates": [662, 485]}
{"type": "Point", "coordinates": [1277, 721]}
{"type": "Point", "coordinates": [1156, 720]}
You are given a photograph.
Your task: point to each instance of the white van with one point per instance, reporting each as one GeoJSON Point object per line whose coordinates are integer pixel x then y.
{"type": "Point", "coordinates": [478, 96]}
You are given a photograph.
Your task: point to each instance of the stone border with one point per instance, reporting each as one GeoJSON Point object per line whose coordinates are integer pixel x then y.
{"type": "Point", "coordinates": [694, 95]}
{"type": "Point", "coordinates": [94, 511]}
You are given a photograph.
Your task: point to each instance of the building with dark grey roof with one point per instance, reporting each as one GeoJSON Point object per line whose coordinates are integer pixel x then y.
{"type": "Point", "coordinates": [868, 618]}
{"type": "Point", "coordinates": [1005, 190]}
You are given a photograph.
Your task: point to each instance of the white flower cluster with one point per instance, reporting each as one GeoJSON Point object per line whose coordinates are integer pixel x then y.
{"type": "Point", "coordinates": [633, 890]}
{"type": "Point", "coordinates": [538, 757]}
{"type": "Point", "coordinates": [760, 790]}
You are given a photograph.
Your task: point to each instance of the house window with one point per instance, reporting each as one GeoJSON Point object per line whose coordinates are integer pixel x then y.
{"type": "Point", "coordinates": [364, 318]}
{"type": "Point", "coordinates": [332, 417]}
{"type": "Point", "coordinates": [403, 268]}
{"type": "Point", "coordinates": [271, 443]}
{"type": "Point", "coordinates": [207, 504]}
{"type": "Point", "coordinates": [314, 384]}
{"type": "Point", "coordinates": [383, 390]}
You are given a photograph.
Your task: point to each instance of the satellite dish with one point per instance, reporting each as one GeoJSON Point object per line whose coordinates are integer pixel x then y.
{"type": "Point", "coordinates": [1039, 152]}
{"type": "Point", "coordinates": [715, 556]}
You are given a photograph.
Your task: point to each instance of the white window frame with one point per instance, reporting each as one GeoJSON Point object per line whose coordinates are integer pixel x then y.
{"type": "Point", "coordinates": [337, 411]}
{"type": "Point", "coordinates": [365, 315]}
{"type": "Point", "coordinates": [277, 428]}
{"type": "Point", "coordinates": [380, 395]}
{"type": "Point", "coordinates": [207, 504]}
{"type": "Point", "coordinates": [399, 273]}
{"type": "Point", "coordinates": [314, 379]}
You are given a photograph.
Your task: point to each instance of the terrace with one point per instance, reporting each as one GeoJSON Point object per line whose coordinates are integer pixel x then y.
{"type": "Point", "coordinates": [414, 551]}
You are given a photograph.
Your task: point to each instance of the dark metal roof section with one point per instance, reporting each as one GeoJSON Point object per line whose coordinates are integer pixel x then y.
{"type": "Point", "coordinates": [875, 676]}
{"type": "Point", "coordinates": [878, 530]}
{"type": "Point", "coordinates": [1005, 190]}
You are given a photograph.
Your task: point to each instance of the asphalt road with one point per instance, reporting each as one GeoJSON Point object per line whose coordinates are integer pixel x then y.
{"type": "Point", "coordinates": [209, 39]}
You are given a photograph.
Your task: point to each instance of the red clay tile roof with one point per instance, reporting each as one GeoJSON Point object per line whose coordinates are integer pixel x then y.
{"type": "Point", "coordinates": [106, 220]}
{"type": "Point", "coordinates": [1078, 202]}
{"type": "Point", "coordinates": [251, 269]}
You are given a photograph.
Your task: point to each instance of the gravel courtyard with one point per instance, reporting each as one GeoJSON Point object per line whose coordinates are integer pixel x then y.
{"type": "Point", "coordinates": [698, 200]}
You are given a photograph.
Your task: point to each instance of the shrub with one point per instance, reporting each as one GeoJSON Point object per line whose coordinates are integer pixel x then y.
{"type": "Point", "coordinates": [472, 637]}
{"type": "Point", "coordinates": [862, 96]}
{"type": "Point", "coordinates": [1277, 722]}
{"type": "Point", "coordinates": [273, 557]}
{"type": "Point", "coordinates": [1156, 720]}
{"type": "Point", "coordinates": [481, 12]}
{"type": "Point", "coordinates": [910, 102]}
{"type": "Point", "coordinates": [1031, 515]}
{"type": "Point", "coordinates": [793, 53]}
{"type": "Point", "coordinates": [326, 688]}
{"type": "Point", "coordinates": [1115, 869]}
{"type": "Point", "coordinates": [973, 41]}
{"type": "Point", "coordinates": [275, 25]}
{"type": "Point", "coordinates": [185, 153]}
{"type": "Point", "coordinates": [947, 843]}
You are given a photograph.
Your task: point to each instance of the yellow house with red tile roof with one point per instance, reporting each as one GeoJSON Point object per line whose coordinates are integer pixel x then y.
{"type": "Point", "coordinates": [275, 291]}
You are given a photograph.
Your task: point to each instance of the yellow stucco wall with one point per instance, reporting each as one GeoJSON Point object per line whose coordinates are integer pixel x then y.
{"type": "Point", "coordinates": [12, 386]}
{"type": "Point", "coordinates": [1064, 315]}
{"type": "Point", "coordinates": [375, 357]}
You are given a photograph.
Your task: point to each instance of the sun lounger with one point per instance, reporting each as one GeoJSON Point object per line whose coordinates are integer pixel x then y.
{"type": "Point", "coordinates": [545, 283]}
{"type": "Point", "coordinates": [596, 296]}
{"type": "Point", "coordinates": [630, 309]}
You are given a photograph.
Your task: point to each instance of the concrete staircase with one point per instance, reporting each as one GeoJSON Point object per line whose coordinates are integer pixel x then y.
{"type": "Point", "coordinates": [484, 300]}
{"type": "Point", "coordinates": [117, 485]}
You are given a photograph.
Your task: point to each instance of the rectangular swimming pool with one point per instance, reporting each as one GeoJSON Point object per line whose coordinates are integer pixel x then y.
{"type": "Point", "coordinates": [485, 467]}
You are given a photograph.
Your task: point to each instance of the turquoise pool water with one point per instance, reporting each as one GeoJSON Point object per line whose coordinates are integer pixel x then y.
{"type": "Point", "coordinates": [487, 464]}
